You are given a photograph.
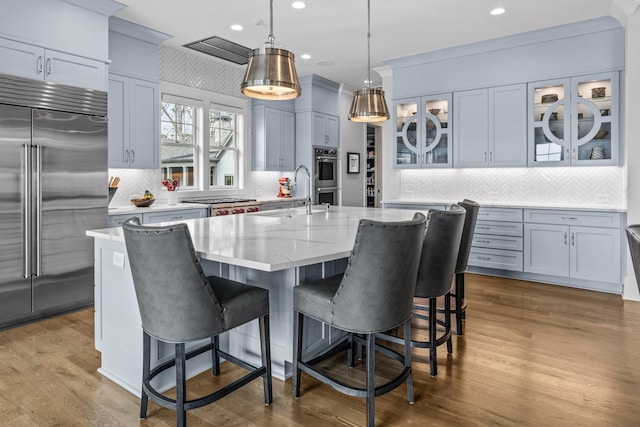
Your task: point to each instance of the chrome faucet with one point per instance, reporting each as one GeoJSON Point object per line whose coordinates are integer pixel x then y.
{"type": "Point", "coordinates": [295, 183]}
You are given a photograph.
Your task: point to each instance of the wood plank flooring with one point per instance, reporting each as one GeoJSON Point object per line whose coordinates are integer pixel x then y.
{"type": "Point", "coordinates": [532, 355]}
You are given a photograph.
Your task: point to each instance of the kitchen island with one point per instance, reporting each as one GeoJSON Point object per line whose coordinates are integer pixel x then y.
{"type": "Point", "coordinates": [276, 250]}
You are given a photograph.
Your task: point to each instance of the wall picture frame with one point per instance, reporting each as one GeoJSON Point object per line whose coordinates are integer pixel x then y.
{"type": "Point", "coordinates": [353, 162]}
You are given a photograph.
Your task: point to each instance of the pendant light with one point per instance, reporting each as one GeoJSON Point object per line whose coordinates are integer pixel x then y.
{"type": "Point", "coordinates": [271, 72]}
{"type": "Point", "coordinates": [369, 104]}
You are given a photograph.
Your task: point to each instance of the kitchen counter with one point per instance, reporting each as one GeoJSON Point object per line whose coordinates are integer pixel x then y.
{"type": "Point", "coordinates": [276, 240]}
{"type": "Point", "coordinates": [276, 250]}
{"type": "Point", "coordinates": [495, 204]}
{"type": "Point", "coordinates": [156, 207]}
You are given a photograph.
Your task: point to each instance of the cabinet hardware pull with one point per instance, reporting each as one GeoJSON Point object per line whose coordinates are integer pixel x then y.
{"type": "Point", "coordinates": [484, 258]}
{"type": "Point", "coordinates": [175, 218]}
{"type": "Point", "coordinates": [39, 65]}
{"type": "Point", "coordinates": [126, 158]}
{"type": "Point", "coordinates": [491, 156]}
{"type": "Point", "coordinates": [565, 237]}
{"type": "Point", "coordinates": [485, 156]}
{"type": "Point", "coordinates": [573, 239]}
{"type": "Point", "coordinates": [26, 212]}
{"type": "Point", "coordinates": [133, 156]}
{"type": "Point", "coordinates": [573, 218]}
{"type": "Point", "coordinates": [38, 163]}
{"type": "Point", "coordinates": [48, 66]}
{"type": "Point", "coordinates": [484, 241]}
{"type": "Point", "coordinates": [484, 227]}
{"type": "Point", "coordinates": [574, 154]}
{"type": "Point", "coordinates": [567, 153]}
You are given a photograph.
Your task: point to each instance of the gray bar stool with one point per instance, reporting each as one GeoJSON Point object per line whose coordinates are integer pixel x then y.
{"type": "Point", "coordinates": [374, 294]}
{"type": "Point", "coordinates": [437, 267]}
{"type": "Point", "coordinates": [472, 209]}
{"type": "Point", "coordinates": [179, 304]}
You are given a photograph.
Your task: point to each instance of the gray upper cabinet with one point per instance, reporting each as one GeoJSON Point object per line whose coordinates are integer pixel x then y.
{"type": "Point", "coordinates": [490, 127]}
{"type": "Point", "coordinates": [422, 132]}
{"type": "Point", "coordinates": [325, 130]}
{"type": "Point", "coordinates": [274, 133]}
{"type": "Point", "coordinates": [574, 121]}
{"type": "Point", "coordinates": [134, 100]}
{"type": "Point", "coordinates": [35, 62]}
{"type": "Point", "coordinates": [133, 106]}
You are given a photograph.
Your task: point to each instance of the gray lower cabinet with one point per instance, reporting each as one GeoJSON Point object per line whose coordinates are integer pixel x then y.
{"type": "Point", "coordinates": [583, 247]}
{"type": "Point", "coordinates": [497, 240]}
{"type": "Point", "coordinates": [160, 216]}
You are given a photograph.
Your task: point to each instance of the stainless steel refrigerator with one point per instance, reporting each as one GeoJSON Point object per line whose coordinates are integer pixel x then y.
{"type": "Point", "coordinates": [53, 187]}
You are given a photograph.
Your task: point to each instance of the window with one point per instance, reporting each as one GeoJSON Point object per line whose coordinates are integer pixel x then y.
{"type": "Point", "coordinates": [200, 139]}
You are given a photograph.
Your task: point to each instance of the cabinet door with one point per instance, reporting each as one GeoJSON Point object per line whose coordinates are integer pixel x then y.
{"type": "Point", "coordinates": [21, 59]}
{"type": "Point", "coordinates": [470, 128]}
{"type": "Point", "coordinates": [594, 126]}
{"type": "Point", "coordinates": [546, 249]}
{"type": "Point", "coordinates": [143, 127]}
{"type": "Point", "coordinates": [408, 134]}
{"type": "Point", "coordinates": [332, 129]}
{"type": "Point", "coordinates": [74, 70]}
{"type": "Point", "coordinates": [272, 130]}
{"type": "Point", "coordinates": [549, 123]}
{"type": "Point", "coordinates": [287, 140]}
{"type": "Point", "coordinates": [118, 125]}
{"type": "Point", "coordinates": [319, 132]}
{"type": "Point", "coordinates": [436, 136]}
{"type": "Point", "coordinates": [508, 126]}
{"type": "Point", "coordinates": [595, 254]}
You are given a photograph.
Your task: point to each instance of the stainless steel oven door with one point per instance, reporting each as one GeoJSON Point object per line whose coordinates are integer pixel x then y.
{"type": "Point", "coordinates": [326, 195]}
{"type": "Point", "coordinates": [326, 171]}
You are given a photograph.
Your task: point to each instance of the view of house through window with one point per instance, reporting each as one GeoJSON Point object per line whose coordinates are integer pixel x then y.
{"type": "Point", "coordinates": [199, 140]}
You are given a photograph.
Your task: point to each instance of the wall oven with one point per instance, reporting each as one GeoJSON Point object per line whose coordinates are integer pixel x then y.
{"type": "Point", "coordinates": [326, 168]}
{"type": "Point", "coordinates": [326, 195]}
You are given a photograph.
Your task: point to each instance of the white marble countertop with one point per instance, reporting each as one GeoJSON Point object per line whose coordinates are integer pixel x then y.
{"type": "Point", "coordinates": [276, 240]}
{"type": "Point", "coordinates": [160, 207]}
{"type": "Point", "coordinates": [496, 204]}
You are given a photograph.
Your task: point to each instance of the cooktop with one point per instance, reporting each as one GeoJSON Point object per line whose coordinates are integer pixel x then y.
{"type": "Point", "coordinates": [216, 200]}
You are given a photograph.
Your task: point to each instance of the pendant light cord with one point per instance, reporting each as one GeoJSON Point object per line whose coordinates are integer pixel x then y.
{"type": "Point", "coordinates": [368, 43]}
{"type": "Point", "coordinates": [271, 39]}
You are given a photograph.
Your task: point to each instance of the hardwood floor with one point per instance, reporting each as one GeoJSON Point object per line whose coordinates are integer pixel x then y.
{"type": "Point", "coordinates": [531, 355]}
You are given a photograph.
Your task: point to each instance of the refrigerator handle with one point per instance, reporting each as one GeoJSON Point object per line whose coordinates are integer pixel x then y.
{"type": "Point", "coordinates": [27, 213]}
{"type": "Point", "coordinates": [38, 210]}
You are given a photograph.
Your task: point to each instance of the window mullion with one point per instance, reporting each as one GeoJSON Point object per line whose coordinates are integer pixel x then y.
{"type": "Point", "coordinates": [203, 145]}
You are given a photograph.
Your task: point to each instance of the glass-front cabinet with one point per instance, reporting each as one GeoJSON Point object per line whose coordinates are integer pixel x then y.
{"type": "Point", "coordinates": [574, 121]}
{"type": "Point", "coordinates": [422, 132]}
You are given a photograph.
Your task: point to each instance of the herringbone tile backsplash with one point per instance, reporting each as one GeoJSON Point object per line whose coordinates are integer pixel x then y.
{"type": "Point", "coordinates": [557, 186]}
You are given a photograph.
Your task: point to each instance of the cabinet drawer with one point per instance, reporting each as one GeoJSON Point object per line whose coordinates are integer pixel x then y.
{"type": "Point", "coordinates": [117, 220]}
{"type": "Point", "coordinates": [497, 242]}
{"type": "Point", "coordinates": [500, 214]}
{"type": "Point", "coordinates": [496, 258]}
{"type": "Point", "coordinates": [149, 218]}
{"type": "Point", "coordinates": [500, 228]}
{"type": "Point", "coordinates": [585, 218]}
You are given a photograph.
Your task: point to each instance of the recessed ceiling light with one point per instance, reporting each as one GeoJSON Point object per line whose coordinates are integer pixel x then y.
{"type": "Point", "coordinates": [237, 27]}
{"type": "Point", "coordinates": [298, 5]}
{"type": "Point", "coordinates": [498, 11]}
{"type": "Point", "coordinates": [325, 63]}
{"type": "Point", "coordinates": [305, 56]}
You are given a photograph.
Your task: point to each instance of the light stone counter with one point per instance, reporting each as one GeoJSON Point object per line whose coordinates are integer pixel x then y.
{"type": "Point", "coordinates": [276, 240]}
{"type": "Point", "coordinates": [275, 250]}
{"type": "Point", "coordinates": [497, 204]}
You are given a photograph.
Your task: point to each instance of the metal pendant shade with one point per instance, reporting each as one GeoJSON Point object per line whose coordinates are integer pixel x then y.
{"type": "Point", "coordinates": [271, 72]}
{"type": "Point", "coordinates": [368, 103]}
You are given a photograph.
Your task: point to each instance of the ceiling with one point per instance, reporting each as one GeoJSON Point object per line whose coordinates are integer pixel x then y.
{"type": "Point", "coordinates": [335, 31]}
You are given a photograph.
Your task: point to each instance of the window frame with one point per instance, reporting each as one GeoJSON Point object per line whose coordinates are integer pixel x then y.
{"type": "Point", "coordinates": [205, 101]}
